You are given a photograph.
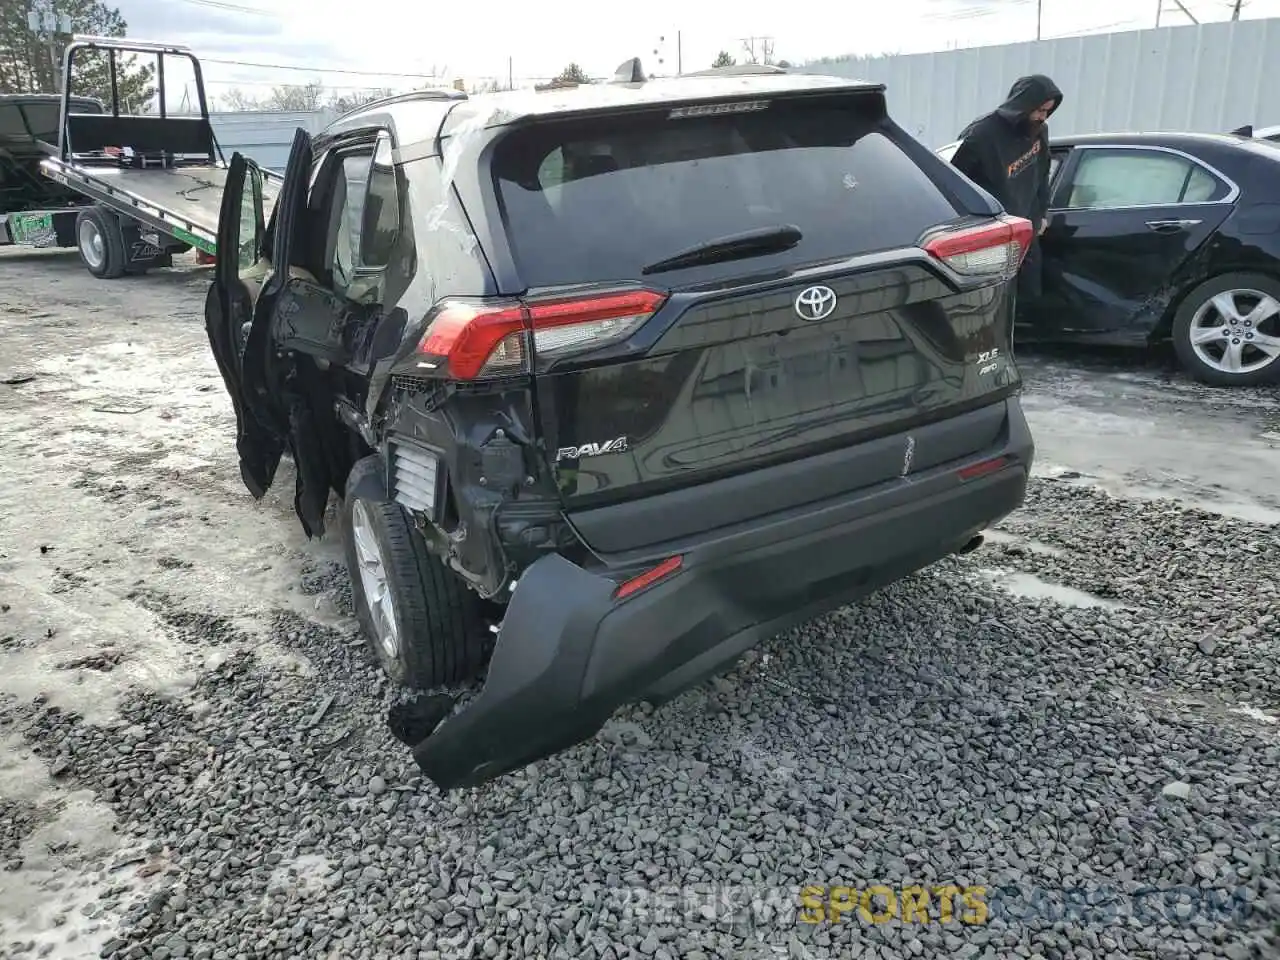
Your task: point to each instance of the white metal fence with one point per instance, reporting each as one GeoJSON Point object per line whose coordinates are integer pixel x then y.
{"type": "Point", "coordinates": [1209, 77]}
{"type": "Point", "coordinates": [265, 135]}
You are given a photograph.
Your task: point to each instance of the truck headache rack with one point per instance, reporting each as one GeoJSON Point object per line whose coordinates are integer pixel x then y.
{"type": "Point", "coordinates": [164, 174]}
{"type": "Point", "coordinates": [150, 140]}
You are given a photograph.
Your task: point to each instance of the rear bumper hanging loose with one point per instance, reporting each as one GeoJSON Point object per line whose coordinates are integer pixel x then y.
{"type": "Point", "coordinates": [569, 652]}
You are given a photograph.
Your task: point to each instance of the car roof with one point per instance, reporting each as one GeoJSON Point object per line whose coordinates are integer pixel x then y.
{"type": "Point", "coordinates": [1175, 140]}
{"type": "Point", "coordinates": [420, 118]}
{"type": "Point", "coordinates": [604, 96]}
{"type": "Point", "coordinates": [1153, 139]}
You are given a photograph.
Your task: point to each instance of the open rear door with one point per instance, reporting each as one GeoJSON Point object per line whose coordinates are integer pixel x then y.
{"type": "Point", "coordinates": [263, 372]}
{"type": "Point", "coordinates": [238, 307]}
{"type": "Point", "coordinates": [229, 308]}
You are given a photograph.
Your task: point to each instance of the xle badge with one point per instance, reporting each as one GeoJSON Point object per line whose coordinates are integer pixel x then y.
{"type": "Point", "coordinates": [908, 455]}
{"type": "Point", "coordinates": [616, 445]}
{"type": "Point", "coordinates": [988, 360]}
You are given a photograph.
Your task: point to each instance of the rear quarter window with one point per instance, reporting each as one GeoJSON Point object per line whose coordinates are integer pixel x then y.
{"type": "Point", "coordinates": [598, 199]}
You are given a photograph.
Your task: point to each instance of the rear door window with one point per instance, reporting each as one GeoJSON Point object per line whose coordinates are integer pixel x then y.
{"type": "Point", "coordinates": [598, 199]}
{"type": "Point", "coordinates": [1112, 178]}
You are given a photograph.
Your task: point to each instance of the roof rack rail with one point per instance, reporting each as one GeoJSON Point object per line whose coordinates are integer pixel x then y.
{"type": "Point", "coordinates": [427, 93]}
{"type": "Point", "coordinates": [629, 71]}
{"type": "Point", "coordinates": [739, 70]}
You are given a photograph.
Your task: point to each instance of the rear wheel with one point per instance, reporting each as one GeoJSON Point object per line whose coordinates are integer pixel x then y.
{"type": "Point", "coordinates": [423, 624]}
{"type": "Point", "coordinates": [100, 243]}
{"type": "Point", "coordinates": [1227, 331]}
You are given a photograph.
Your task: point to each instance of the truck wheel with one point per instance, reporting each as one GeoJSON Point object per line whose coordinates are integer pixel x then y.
{"type": "Point", "coordinates": [422, 623]}
{"type": "Point", "coordinates": [1227, 330]}
{"type": "Point", "coordinates": [100, 243]}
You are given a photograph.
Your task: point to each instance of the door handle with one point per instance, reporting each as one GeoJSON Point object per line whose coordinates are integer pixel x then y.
{"type": "Point", "coordinates": [1167, 226]}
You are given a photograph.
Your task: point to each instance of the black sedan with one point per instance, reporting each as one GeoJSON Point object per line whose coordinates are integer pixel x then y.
{"type": "Point", "coordinates": [1165, 236]}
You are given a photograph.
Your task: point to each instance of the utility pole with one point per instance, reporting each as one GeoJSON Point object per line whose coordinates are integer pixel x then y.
{"type": "Point", "coordinates": [680, 53]}
{"type": "Point", "coordinates": [46, 23]}
{"type": "Point", "coordinates": [1039, 13]}
{"type": "Point", "coordinates": [511, 77]}
{"type": "Point", "coordinates": [1235, 9]}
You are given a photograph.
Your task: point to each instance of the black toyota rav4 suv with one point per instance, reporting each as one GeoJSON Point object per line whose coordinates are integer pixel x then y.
{"type": "Point", "coordinates": [613, 382]}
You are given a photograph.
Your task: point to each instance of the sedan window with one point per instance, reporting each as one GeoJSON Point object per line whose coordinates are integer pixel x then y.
{"type": "Point", "coordinates": [1106, 179]}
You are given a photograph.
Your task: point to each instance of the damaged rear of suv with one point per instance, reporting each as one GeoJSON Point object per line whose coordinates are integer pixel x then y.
{"type": "Point", "coordinates": [615, 381]}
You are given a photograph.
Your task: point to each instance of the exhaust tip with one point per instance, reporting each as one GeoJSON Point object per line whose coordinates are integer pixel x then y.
{"type": "Point", "coordinates": [972, 545]}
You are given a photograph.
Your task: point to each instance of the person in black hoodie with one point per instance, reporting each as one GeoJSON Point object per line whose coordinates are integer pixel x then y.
{"type": "Point", "coordinates": [1006, 153]}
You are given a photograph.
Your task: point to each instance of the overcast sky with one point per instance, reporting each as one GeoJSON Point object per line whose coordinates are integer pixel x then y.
{"type": "Point", "coordinates": [474, 40]}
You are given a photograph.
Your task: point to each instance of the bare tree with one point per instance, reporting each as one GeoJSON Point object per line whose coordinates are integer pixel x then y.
{"type": "Point", "coordinates": [758, 49]}
{"type": "Point", "coordinates": [301, 97]}
{"type": "Point", "coordinates": [349, 101]}
{"type": "Point", "coordinates": [236, 100]}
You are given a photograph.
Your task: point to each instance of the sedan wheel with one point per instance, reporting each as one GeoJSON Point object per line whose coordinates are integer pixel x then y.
{"type": "Point", "coordinates": [1227, 332]}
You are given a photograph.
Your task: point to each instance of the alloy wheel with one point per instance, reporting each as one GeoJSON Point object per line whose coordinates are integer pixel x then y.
{"type": "Point", "coordinates": [1237, 331]}
{"type": "Point", "coordinates": [374, 580]}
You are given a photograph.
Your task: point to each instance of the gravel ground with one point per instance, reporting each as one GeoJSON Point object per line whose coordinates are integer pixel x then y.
{"type": "Point", "coordinates": [1079, 717]}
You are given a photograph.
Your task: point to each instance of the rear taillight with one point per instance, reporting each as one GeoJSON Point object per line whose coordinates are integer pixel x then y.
{"type": "Point", "coordinates": [478, 340]}
{"type": "Point", "coordinates": [993, 249]}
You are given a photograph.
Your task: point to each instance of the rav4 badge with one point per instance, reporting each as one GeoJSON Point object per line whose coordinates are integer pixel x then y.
{"type": "Point", "coordinates": [616, 445]}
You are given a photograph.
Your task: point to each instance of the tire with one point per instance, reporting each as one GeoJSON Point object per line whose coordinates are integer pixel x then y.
{"type": "Point", "coordinates": [100, 243]}
{"type": "Point", "coordinates": [441, 635]}
{"type": "Point", "coordinates": [1209, 359]}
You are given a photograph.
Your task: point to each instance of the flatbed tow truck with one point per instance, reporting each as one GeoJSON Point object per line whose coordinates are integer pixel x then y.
{"type": "Point", "coordinates": [154, 181]}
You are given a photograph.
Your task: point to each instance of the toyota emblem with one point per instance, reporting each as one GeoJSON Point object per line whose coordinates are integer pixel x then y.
{"type": "Point", "coordinates": [815, 303]}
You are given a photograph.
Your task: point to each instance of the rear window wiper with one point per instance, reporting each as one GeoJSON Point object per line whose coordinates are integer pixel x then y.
{"type": "Point", "coordinates": [749, 243]}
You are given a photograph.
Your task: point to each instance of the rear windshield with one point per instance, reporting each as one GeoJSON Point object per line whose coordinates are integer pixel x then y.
{"type": "Point", "coordinates": [39, 119]}
{"type": "Point", "coordinates": [43, 119]}
{"type": "Point", "coordinates": [11, 123]}
{"type": "Point", "coordinates": [599, 199]}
